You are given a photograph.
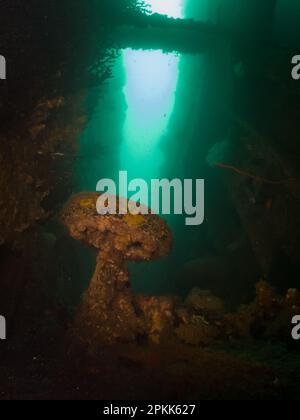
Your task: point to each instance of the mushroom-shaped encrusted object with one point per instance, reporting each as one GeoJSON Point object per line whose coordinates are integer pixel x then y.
{"type": "Point", "coordinates": [107, 313]}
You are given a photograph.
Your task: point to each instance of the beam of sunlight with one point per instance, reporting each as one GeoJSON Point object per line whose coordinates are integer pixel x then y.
{"type": "Point", "coordinates": [150, 95]}
{"type": "Point", "coordinates": [151, 82]}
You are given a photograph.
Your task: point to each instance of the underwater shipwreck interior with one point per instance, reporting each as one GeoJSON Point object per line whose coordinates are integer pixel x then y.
{"type": "Point", "coordinates": [144, 306]}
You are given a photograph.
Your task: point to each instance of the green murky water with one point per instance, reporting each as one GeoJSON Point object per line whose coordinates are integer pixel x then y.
{"type": "Point", "coordinates": [158, 117]}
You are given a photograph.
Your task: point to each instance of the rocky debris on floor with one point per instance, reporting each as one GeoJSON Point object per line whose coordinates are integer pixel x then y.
{"type": "Point", "coordinates": [203, 301]}
{"type": "Point", "coordinates": [269, 316]}
{"type": "Point", "coordinates": [158, 315]}
{"type": "Point", "coordinates": [198, 332]}
{"type": "Point", "coordinates": [111, 313]}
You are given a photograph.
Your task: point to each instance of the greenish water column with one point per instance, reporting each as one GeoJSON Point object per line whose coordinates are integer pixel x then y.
{"type": "Point", "coordinates": [151, 82]}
